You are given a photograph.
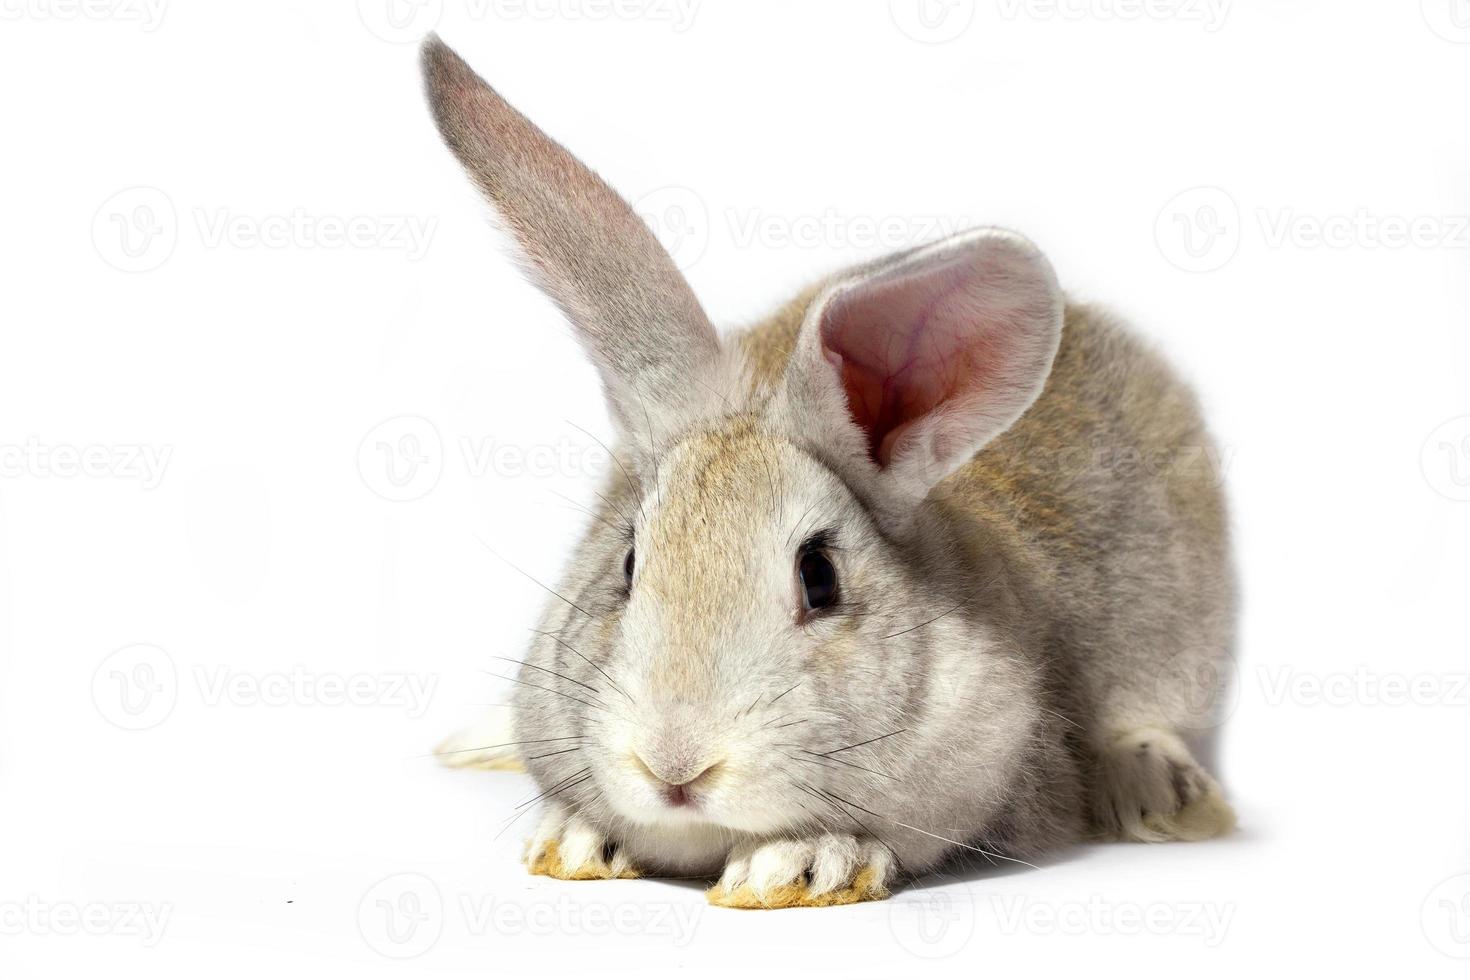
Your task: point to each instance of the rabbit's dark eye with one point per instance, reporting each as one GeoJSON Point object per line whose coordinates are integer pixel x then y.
{"type": "Point", "coordinates": [628, 568]}
{"type": "Point", "coordinates": [818, 580]}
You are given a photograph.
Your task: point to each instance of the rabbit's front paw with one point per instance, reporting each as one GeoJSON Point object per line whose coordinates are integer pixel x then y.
{"type": "Point", "coordinates": [569, 848]}
{"type": "Point", "coordinates": [833, 869]}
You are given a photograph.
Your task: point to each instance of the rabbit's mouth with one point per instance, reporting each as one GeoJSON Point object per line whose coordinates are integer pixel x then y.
{"type": "Point", "coordinates": [714, 796]}
{"type": "Point", "coordinates": [681, 796]}
{"type": "Point", "coordinates": [682, 791]}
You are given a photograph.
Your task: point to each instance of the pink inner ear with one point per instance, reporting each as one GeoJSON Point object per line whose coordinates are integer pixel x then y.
{"type": "Point", "coordinates": [907, 343]}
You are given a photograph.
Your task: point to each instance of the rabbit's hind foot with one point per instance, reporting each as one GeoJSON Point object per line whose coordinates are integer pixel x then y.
{"type": "Point", "coordinates": [1151, 789]}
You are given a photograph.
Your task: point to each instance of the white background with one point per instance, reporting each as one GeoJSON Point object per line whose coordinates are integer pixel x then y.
{"type": "Point", "coordinates": [215, 322]}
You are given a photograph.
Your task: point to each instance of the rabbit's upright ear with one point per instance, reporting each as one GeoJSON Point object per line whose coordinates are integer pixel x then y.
{"type": "Point", "coordinates": [909, 367]}
{"type": "Point", "coordinates": [585, 247]}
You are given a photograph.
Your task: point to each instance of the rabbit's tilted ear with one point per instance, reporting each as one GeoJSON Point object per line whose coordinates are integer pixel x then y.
{"type": "Point", "coordinates": [586, 248]}
{"type": "Point", "coordinates": [929, 356]}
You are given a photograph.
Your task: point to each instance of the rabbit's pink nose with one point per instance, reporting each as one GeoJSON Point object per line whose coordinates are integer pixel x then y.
{"type": "Point", "coordinates": [676, 783]}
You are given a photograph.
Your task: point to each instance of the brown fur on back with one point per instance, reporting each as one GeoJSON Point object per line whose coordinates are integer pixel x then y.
{"type": "Point", "coordinates": [1100, 502]}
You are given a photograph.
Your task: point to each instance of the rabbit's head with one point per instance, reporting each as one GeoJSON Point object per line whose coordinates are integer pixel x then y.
{"type": "Point", "coordinates": [771, 581]}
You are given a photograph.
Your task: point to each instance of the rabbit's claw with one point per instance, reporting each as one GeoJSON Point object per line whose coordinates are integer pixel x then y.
{"type": "Point", "coordinates": [831, 869]}
{"type": "Point", "coordinates": [569, 848]}
{"type": "Point", "coordinates": [1154, 790]}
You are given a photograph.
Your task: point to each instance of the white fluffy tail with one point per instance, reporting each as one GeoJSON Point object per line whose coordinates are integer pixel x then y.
{"type": "Point", "coordinates": [486, 744]}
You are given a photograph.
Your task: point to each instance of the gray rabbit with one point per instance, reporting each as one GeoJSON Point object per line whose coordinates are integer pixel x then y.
{"type": "Point", "coordinates": [930, 563]}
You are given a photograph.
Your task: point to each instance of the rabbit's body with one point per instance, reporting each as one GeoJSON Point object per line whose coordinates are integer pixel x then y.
{"type": "Point", "coordinates": [1127, 583]}
{"type": "Point", "coordinates": [928, 563]}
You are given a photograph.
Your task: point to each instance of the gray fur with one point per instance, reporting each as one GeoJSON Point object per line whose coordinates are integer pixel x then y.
{"type": "Point", "coordinates": [1032, 617]}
